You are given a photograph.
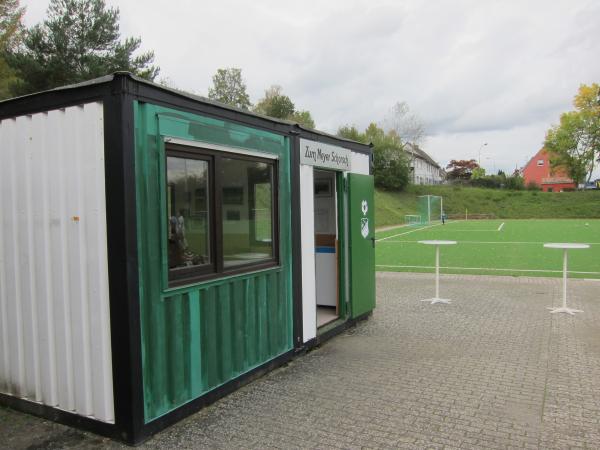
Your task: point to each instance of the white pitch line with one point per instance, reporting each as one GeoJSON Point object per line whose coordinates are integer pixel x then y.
{"type": "Point", "coordinates": [407, 232]}
{"type": "Point", "coordinates": [471, 231]}
{"type": "Point", "coordinates": [485, 268]}
{"type": "Point", "coordinates": [488, 242]}
{"type": "Point", "coordinates": [501, 226]}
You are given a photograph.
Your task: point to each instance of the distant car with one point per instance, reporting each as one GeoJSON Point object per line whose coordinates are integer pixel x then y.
{"type": "Point", "coordinates": [592, 185]}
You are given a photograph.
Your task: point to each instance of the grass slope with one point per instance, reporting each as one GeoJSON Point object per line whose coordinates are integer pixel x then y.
{"type": "Point", "coordinates": [391, 207]}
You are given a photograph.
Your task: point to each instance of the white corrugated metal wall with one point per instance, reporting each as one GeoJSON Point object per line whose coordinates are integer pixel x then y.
{"type": "Point", "coordinates": [54, 310]}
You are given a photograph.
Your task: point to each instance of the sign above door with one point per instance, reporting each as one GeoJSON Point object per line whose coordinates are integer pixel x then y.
{"type": "Point", "coordinates": [318, 154]}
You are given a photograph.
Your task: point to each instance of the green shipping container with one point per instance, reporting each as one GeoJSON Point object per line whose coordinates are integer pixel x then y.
{"type": "Point", "coordinates": [232, 242]}
{"type": "Point", "coordinates": [196, 338]}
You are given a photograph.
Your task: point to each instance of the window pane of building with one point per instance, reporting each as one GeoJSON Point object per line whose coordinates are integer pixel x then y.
{"type": "Point", "coordinates": [188, 213]}
{"type": "Point", "coordinates": [247, 203]}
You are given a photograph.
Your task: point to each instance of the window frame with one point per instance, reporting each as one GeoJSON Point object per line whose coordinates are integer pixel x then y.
{"type": "Point", "coordinates": [217, 269]}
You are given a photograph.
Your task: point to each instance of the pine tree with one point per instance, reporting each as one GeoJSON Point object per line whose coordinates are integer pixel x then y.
{"type": "Point", "coordinates": [79, 40]}
{"type": "Point", "coordinates": [11, 28]}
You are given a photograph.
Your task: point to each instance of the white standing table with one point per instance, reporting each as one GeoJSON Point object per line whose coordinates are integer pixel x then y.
{"type": "Point", "coordinates": [437, 244]}
{"type": "Point", "coordinates": [566, 247]}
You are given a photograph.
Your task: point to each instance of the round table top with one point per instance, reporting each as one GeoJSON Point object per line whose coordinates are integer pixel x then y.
{"type": "Point", "coordinates": [437, 242]}
{"type": "Point", "coordinates": [566, 245]}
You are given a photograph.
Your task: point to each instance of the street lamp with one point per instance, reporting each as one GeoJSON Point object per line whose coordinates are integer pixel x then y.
{"type": "Point", "coordinates": [479, 158]}
{"type": "Point", "coordinates": [493, 164]}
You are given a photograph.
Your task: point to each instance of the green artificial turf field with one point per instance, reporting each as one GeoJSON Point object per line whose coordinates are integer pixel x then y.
{"type": "Point", "coordinates": [493, 247]}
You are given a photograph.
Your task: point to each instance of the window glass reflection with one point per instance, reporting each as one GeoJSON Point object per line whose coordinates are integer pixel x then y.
{"type": "Point", "coordinates": [188, 213]}
{"type": "Point", "coordinates": [247, 203]}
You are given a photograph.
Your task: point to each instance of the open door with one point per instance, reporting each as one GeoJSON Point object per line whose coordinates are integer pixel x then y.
{"type": "Point", "coordinates": [326, 247]}
{"type": "Point", "coordinates": [362, 243]}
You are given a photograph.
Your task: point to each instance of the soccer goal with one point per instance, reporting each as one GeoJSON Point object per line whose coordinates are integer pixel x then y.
{"type": "Point", "coordinates": [412, 219]}
{"type": "Point", "coordinates": [430, 208]}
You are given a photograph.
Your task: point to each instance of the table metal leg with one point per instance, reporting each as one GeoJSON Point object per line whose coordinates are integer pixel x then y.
{"type": "Point", "coordinates": [437, 271]}
{"type": "Point", "coordinates": [437, 298]}
{"type": "Point", "coordinates": [564, 308]}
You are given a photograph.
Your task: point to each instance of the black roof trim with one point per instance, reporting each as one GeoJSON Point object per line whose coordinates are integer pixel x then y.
{"type": "Point", "coordinates": [94, 82]}
{"type": "Point", "coordinates": [52, 99]}
{"type": "Point", "coordinates": [148, 91]}
{"type": "Point", "coordinates": [326, 138]}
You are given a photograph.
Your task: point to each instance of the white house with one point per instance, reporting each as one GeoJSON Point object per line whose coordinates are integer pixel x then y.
{"type": "Point", "coordinates": [424, 170]}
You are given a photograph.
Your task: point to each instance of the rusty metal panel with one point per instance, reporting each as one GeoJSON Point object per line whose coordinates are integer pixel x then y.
{"type": "Point", "coordinates": [54, 311]}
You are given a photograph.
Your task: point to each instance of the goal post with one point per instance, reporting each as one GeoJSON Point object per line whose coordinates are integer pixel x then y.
{"type": "Point", "coordinates": [431, 208]}
{"type": "Point", "coordinates": [412, 219]}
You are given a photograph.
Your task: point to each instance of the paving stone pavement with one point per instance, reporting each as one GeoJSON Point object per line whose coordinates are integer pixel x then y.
{"type": "Point", "coordinates": [494, 369]}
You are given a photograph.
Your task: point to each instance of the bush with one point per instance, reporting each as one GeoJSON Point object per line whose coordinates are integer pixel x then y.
{"type": "Point", "coordinates": [500, 181]}
{"type": "Point", "coordinates": [390, 168]}
{"type": "Point", "coordinates": [515, 183]}
{"type": "Point", "coordinates": [533, 186]}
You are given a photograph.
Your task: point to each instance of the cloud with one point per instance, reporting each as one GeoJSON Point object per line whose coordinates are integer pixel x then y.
{"type": "Point", "coordinates": [470, 69]}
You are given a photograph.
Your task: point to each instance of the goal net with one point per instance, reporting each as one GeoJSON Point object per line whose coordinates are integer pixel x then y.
{"type": "Point", "coordinates": [430, 208]}
{"type": "Point", "coordinates": [412, 219]}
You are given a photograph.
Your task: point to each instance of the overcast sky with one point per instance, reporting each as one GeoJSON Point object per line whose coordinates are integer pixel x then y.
{"type": "Point", "coordinates": [499, 72]}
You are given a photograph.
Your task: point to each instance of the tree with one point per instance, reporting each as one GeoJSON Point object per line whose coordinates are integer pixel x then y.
{"type": "Point", "coordinates": [377, 136]}
{"type": "Point", "coordinates": [574, 144]}
{"type": "Point", "coordinates": [390, 163]}
{"type": "Point", "coordinates": [477, 173]}
{"type": "Point", "coordinates": [276, 104]}
{"type": "Point", "coordinates": [461, 169]}
{"type": "Point", "coordinates": [11, 16]}
{"type": "Point", "coordinates": [566, 151]}
{"type": "Point", "coordinates": [79, 40]}
{"type": "Point", "coordinates": [11, 30]}
{"type": "Point", "coordinates": [229, 88]}
{"type": "Point", "coordinates": [407, 126]}
{"type": "Point", "coordinates": [350, 132]}
{"type": "Point", "coordinates": [303, 118]}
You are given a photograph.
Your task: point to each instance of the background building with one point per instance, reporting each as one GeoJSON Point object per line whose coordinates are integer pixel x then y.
{"type": "Point", "coordinates": [538, 171]}
{"type": "Point", "coordinates": [424, 170]}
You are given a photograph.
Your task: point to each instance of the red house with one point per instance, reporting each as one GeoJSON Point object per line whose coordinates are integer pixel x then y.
{"type": "Point", "coordinates": [538, 171]}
